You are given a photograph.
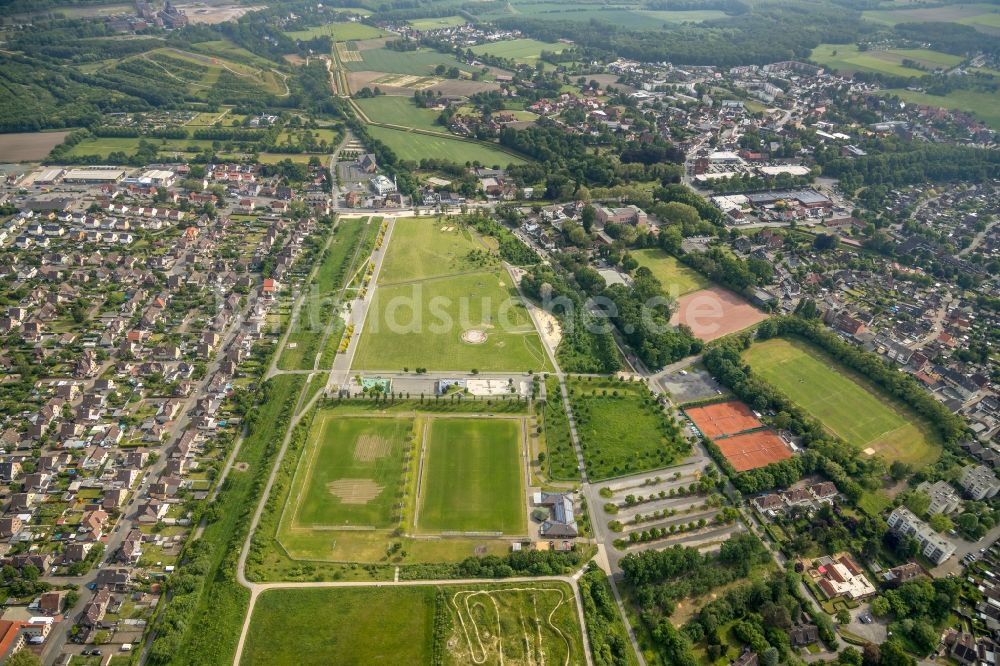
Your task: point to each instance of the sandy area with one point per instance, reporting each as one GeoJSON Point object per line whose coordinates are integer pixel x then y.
{"type": "Point", "coordinates": [199, 13]}
{"type": "Point", "coordinates": [715, 312]}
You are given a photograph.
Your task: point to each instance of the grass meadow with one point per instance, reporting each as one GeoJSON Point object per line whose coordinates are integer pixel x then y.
{"type": "Point", "coordinates": [347, 31]}
{"type": "Point", "coordinates": [983, 105]}
{"type": "Point", "coordinates": [415, 147]}
{"type": "Point", "coordinates": [485, 624]}
{"type": "Point", "coordinates": [437, 23]}
{"type": "Point", "coordinates": [399, 110]}
{"type": "Point", "coordinates": [846, 403]}
{"type": "Point", "coordinates": [520, 50]}
{"type": "Point", "coordinates": [621, 429]}
{"type": "Point", "coordinates": [677, 279]}
{"type": "Point", "coordinates": [473, 478]}
{"type": "Point", "coordinates": [351, 472]}
{"type": "Point", "coordinates": [420, 62]}
{"type": "Point", "coordinates": [847, 58]}
{"type": "Point", "coordinates": [323, 627]}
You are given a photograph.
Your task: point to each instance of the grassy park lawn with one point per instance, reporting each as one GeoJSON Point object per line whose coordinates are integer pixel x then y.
{"type": "Point", "coordinates": [848, 58]}
{"type": "Point", "coordinates": [351, 473]}
{"type": "Point", "coordinates": [437, 23]}
{"type": "Point", "coordinates": [431, 291]}
{"type": "Point", "coordinates": [677, 279]}
{"type": "Point", "coordinates": [345, 626]}
{"type": "Point", "coordinates": [422, 324]}
{"type": "Point", "coordinates": [428, 247]}
{"type": "Point", "coordinates": [521, 50]}
{"type": "Point", "coordinates": [473, 477]}
{"type": "Point", "coordinates": [415, 147]}
{"type": "Point", "coordinates": [983, 105]}
{"type": "Point", "coordinates": [341, 32]}
{"type": "Point", "coordinates": [621, 428]}
{"type": "Point", "coordinates": [846, 403]}
{"type": "Point", "coordinates": [399, 110]}
{"type": "Point", "coordinates": [524, 624]}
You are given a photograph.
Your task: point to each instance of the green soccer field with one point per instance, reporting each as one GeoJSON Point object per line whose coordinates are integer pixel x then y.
{"type": "Point", "coordinates": [473, 478]}
{"type": "Point", "coordinates": [677, 279]}
{"type": "Point", "coordinates": [351, 472]}
{"type": "Point", "coordinates": [844, 402]}
{"type": "Point", "coordinates": [435, 288]}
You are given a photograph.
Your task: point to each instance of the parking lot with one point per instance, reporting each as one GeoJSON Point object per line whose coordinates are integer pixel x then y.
{"type": "Point", "coordinates": [690, 385]}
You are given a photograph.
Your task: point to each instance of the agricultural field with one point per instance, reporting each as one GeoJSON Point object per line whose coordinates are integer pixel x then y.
{"type": "Point", "coordinates": [474, 477]}
{"type": "Point", "coordinates": [847, 58]}
{"type": "Point", "coordinates": [352, 473]}
{"type": "Point", "coordinates": [982, 16]}
{"type": "Point", "coordinates": [624, 17]}
{"type": "Point", "coordinates": [844, 402]}
{"type": "Point", "coordinates": [104, 146]}
{"type": "Point", "coordinates": [982, 104]}
{"type": "Point", "coordinates": [437, 23]}
{"type": "Point", "coordinates": [421, 62]}
{"type": "Point", "coordinates": [399, 110]}
{"type": "Point", "coordinates": [483, 624]}
{"type": "Point", "coordinates": [29, 146]}
{"type": "Point", "coordinates": [415, 147]}
{"type": "Point", "coordinates": [341, 32]}
{"type": "Point", "coordinates": [520, 50]}
{"type": "Point", "coordinates": [443, 304]}
{"type": "Point", "coordinates": [677, 279]}
{"type": "Point", "coordinates": [622, 429]}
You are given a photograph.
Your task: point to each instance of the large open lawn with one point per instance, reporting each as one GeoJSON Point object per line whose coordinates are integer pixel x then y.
{"type": "Point", "coordinates": [520, 50]}
{"type": "Point", "coordinates": [351, 474]}
{"type": "Point", "coordinates": [622, 430]}
{"type": "Point", "coordinates": [400, 110]}
{"type": "Point", "coordinates": [323, 627]}
{"type": "Point", "coordinates": [677, 279]}
{"type": "Point", "coordinates": [847, 58]}
{"type": "Point", "coordinates": [415, 147]}
{"type": "Point", "coordinates": [844, 402]}
{"type": "Point", "coordinates": [435, 288]}
{"type": "Point", "coordinates": [347, 31]}
{"type": "Point", "coordinates": [983, 105]}
{"type": "Point", "coordinates": [484, 624]}
{"type": "Point", "coordinates": [427, 247]}
{"type": "Point", "coordinates": [473, 477]}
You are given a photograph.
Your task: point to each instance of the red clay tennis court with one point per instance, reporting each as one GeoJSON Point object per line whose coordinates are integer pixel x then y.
{"type": "Point", "coordinates": [723, 418]}
{"type": "Point", "coordinates": [753, 450]}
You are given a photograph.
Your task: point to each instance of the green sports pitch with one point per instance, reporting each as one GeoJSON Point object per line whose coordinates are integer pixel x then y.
{"type": "Point", "coordinates": [351, 473]}
{"type": "Point", "coordinates": [844, 402]}
{"type": "Point", "coordinates": [473, 478]}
